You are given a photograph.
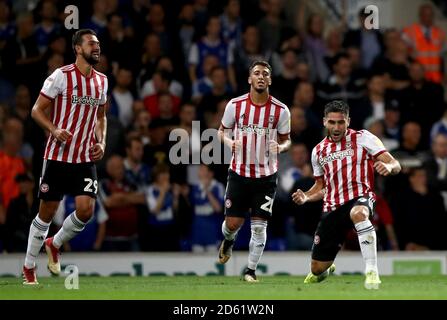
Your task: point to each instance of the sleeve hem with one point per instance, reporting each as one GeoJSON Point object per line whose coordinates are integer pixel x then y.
{"type": "Point", "coordinates": [225, 127]}
{"type": "Point", "coordinates": [46, 96]}
{"type": "Point", "coordinates": [379, 153]}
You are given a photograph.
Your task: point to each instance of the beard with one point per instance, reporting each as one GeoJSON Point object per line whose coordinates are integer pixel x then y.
{"type": "Point", "coordinates": [91, 60]}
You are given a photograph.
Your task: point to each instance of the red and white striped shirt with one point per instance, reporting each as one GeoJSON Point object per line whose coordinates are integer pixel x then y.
{"type": "Point", "coordinates": [76, 100]}
{"type": "Point", "coordinates": [346, 167]}
{"type": "Point", "coordinates": [255, 125]}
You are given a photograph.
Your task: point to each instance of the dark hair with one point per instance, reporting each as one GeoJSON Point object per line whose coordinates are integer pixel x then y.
{"type": "Point", "coordinates": [260, 63]}
{"type": "Point", "coordinates": [336, 106]}
{"type": "Point", "coordinates": [77, 37]}
{"type": "Point", "coordinates": [362, 13]}
{"type": "Point", "coordinates": [159, 169]}
{"type": "Point", "coordinates": [131, 137]}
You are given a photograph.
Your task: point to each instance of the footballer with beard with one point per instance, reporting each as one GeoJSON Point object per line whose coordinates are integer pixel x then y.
{"type": "Point", "coordinates": [256, 126]}
{"type": "Point", "coordinates": [71, 107]}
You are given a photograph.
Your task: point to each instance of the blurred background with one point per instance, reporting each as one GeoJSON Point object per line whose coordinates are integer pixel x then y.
{"type": "Point", "coordinates": [172, 62]}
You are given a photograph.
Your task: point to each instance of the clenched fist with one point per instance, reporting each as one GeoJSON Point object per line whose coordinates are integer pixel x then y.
{"type": "Point", "coordinates": [299, 197]}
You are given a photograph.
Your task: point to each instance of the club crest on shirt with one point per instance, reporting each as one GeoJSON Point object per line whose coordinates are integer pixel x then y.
{"type": "Point", "coordinates": [271, 119]}
{"type": "Point", "coordinates": [44, 188]}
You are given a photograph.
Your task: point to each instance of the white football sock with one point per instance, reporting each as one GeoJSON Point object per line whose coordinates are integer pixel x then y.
{"type": "Point", "coordinates": [70, 228]}
{"type": "Point", "coordinates": [368, 244]}
{"type": "Point", "coordinates": [257, 242]}
{"type": "Point", "coordinates": [37, 233]}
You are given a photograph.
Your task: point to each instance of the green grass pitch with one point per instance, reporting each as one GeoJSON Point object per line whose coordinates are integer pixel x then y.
{"type": "Point", "coordinates": [227, 288]}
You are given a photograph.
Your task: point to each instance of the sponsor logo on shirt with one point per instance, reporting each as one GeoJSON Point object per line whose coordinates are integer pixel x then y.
{"type": "Point", "coordinates": [339, 155]}
{"type": "Point", "coordinates": [250, 129]}
{"type": "Point", "coordinates": [84, 100]}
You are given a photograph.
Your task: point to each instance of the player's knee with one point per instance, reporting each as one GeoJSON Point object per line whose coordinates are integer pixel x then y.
{"type": "Point", "coordinates": [359, 214]}
{"type": "Point", "coordinates": [317, 267]}
{"type": "Point", "coordinates": [47, 210]}
{"type": "Point", "coordinates": [85, 211]}
{"type": "Point", "coordinates": [232, 226]}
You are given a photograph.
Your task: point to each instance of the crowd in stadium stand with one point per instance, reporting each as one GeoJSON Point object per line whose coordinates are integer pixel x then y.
{"type": "Point", "coordinates": [172, 62]}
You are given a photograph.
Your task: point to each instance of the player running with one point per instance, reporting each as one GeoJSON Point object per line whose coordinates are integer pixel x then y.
{"type": "Point", "coordinates": [76, 95]}
{"type": "Point", "coordinates": [261, 127]}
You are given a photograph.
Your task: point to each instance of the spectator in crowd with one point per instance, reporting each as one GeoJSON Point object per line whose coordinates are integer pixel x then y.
{"type": "Point", "coordinates": [98, 20]}
{"type": "Point", "coordinates": [117, 44]}
{"type": "Point", "coordinates": [186, 27]}
{"type": "Point", "coordinates": [140, 125]}
{"type": "Point", "coordinates": [287, 80]}
{"type": "Point", "coordinates": [175, 87]}
{"type": "Point", "coordinates": [120, 201]}
{"type": "Point", "coordinates": [410, 154]}
{"type": "Point", "coordinates": [415, 97]}
{"type": "Point", "coordinates": [207, 198]}
{"type": "Point", "coordinates": [137, 173]}
{"type": "Point", "coordinates": [371, 105]}
{"type": "Point", "coordinates": [312, 33]}
{"type": "Point", "coordinates": [271, 25]}
{"type": "Point", "coordinates": [439, 126]}
{"type": "Point", "coordinates": [19, 215]}
{"type": "Point", "coordinates": [155, 23]}
{"type": "Point", "coordinates": [161, 80]}
{"type": "Point", "coordinates": [340, 84]}
{"type": "Point", "coordinates": [231, 22]}
{"type": "Point", "coordinates": [11, 164]}
{"type": "Point", "coordinates": [211, 43]}
{"type": "Point", "coordinates": [394, 63]}
{"type": "Point", "coordinates": [204, 85]}
{"type": "Point", "coordinates": [377, 128]}
{"type": "Point", "coordinates": [48, 24]}
{"type": "Point", "coordinates": [220, 90]}
{"type": "Point", "coordinates": [392, 120]}
{"type": "Point", "coordinates": [121, 99]}
{"type": "Point", "coordinates": [427, 43]}
{"type": "Point", "coordinates": [414, 218]}
{"type": "Point", "coordinates": [156, 152]}
{"type": "Point", "coordinates": [436, 166]}
{"type": "Point", "coordinates": [304, 98]}
{"type": "Point", "coordinates": [152, 52]}
{"type": "Point", "coordinates": [22, 55]}
{"type": "Point", "coordinates": [163, 202]}
{"type": "Point", "coordinates": [369, 41]}
{"type": "Point", "coordinates": [301, 131]}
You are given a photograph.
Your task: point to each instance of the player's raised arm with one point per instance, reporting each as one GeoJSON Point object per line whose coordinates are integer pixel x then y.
{"type": "Point", "coordinates": [39, 114]}
{"type": "Point", "coordinates": [386, 164]}
{"type": "Point", "coordinates": [315, 193]}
